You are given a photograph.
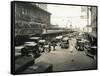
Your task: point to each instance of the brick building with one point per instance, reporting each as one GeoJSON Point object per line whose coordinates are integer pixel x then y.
{"type": "Point", "coordinates": [29, 12]}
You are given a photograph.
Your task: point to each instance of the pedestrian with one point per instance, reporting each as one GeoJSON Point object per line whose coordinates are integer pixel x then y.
{"type": "Point", "coordinates": [49, 47]}
{"type": "Point", "coordinates": [54, 45]}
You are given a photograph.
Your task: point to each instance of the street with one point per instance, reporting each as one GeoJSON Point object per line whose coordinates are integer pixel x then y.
{"type": "Point", "coordinates": [67, 59]}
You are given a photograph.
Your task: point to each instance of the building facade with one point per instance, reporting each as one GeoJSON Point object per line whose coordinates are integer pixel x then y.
{"type": "Point", "coordinates": [94, 19]}
{"type": "Point", "coordinates": [42, 6]}
{"type": "Point", "coordinates": [28, 12]}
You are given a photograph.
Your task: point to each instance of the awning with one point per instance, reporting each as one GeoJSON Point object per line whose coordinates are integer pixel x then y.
{"type": "Point", "coordinates": [53, 31]}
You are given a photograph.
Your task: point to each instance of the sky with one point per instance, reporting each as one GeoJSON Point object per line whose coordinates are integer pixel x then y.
{"type": "Point", "coordinates": [64, 15]}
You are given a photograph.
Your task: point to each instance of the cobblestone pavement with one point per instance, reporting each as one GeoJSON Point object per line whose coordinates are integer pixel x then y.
{"type": "Point", "coordinates": [67, 59]}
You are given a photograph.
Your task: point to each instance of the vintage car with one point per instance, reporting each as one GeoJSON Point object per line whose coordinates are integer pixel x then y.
{"type": "Point", "coordinates": [22, 63]}
{"type": "Point", "coordinates": [82, 44]}
{"type": "Point", "coordinates": [58, 38]}
{"type": "Point", "coordinates": [41, 45]}
{"type": "Point", "coordinates": [65, 42]}
{"type": "Point", "coordinates": [31, 48]}
{"type": "Point", "coordinates": [40, 67]}
{"type": "Point", "coordinates": [92, 52]}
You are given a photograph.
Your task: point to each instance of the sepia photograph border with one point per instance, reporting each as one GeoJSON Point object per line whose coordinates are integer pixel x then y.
{"type": "Point", "coordinates": [13, 35]}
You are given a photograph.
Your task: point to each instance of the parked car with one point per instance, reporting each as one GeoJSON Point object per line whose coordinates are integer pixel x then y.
{"type": "Point", "coordinates": [82, 44]}
{"type": "Point", "coordinates": [65, 42]}
{"type": "Point", "coordinates": [35, 39]}
{"type": "Point", "coordinates": [58, 38]}
{"type": "Point", "coordinates": [41, 45]}
{"type": "Point", "coordinates": [22, 63]}
{"type": "Point", "coordinates": [31, 48]}
{"type": "Point", "coordinates": [92, 52]}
